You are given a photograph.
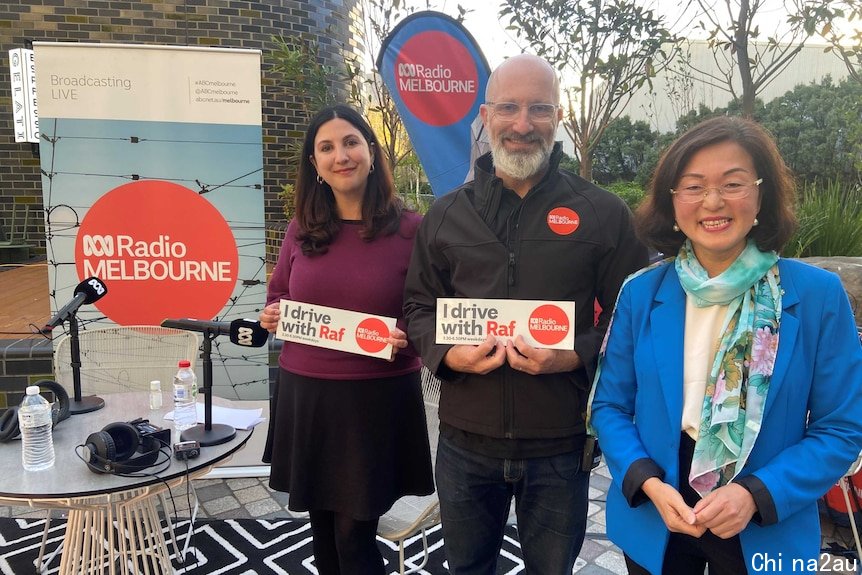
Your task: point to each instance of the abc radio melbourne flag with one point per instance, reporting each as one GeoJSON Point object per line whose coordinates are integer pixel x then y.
{"type": "Point", "coordinates": [437, 77]}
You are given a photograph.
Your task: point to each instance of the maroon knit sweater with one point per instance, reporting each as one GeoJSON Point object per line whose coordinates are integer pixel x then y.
{"type": "Point", "coordinates": [355, 275]}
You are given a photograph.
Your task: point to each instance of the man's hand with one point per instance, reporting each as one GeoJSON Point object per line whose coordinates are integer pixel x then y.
{"type": "Point", "coordinates": [269, 317]}
{"type": "Point", "coordinates": [726, 511]}
{"type": "Point", "coordinates": [679, 517]}
{"type": "Point", "coordinates": [534, 361]}
{"type": "Point", "coordinates": [481, 359]}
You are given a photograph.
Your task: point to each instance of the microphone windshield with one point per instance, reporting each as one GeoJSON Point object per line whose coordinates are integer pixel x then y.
{"type": "Point", "coordinates": [248, 333]}
{"type": "Point", "coordinates": [92, 288]}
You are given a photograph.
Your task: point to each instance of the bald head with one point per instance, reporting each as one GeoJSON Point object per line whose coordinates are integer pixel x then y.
{"type": "Point", "coordinates": [523, 68]}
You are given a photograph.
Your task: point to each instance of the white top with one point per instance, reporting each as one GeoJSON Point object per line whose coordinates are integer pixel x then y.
{"type": "Point", "coordinates": [702, 336]}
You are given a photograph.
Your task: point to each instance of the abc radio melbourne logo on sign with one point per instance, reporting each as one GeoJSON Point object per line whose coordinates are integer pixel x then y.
{"type": "Point", "coordinates": [176, 257]}
{"type": "Point", "coordinates": [436, 77]}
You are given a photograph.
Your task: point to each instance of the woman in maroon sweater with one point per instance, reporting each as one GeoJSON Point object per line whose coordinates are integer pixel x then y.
{"type": "Point", "coordinates": [347, 433]}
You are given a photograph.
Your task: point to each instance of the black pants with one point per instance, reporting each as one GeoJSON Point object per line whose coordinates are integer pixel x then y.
{"type": "Point", "coordinates": [343, 545]}
{"type": "Point", "coordinates": [687, 555]}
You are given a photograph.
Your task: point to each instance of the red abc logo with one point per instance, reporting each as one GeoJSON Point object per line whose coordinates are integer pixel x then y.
{"type": "Point", "coordinates": [371, 334]}
{"type": "Point", "coordinates": [549, 324]}
{"type": "Point", "coordinates": [436, 78]}
{"type": "Point", "coordinates": [563, 221]}
{"type": "Point", "coordinates": [163, 249]}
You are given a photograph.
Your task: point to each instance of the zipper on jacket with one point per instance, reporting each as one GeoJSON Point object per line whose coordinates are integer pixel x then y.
{"type": "Point", "coordinates": [511, 276]}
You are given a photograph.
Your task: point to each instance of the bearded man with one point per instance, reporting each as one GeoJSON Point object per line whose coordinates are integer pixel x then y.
{"type": "Point", "coordinates": [512, 415]}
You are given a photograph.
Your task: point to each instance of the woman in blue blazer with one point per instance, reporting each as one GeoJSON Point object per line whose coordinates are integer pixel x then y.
{"type": "Point", "coordinates": [728, 398]}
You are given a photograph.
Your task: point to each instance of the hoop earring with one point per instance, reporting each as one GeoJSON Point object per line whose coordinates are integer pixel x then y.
{"type": "Point", "coordinates": [755, 222]}
{"type": "Point", "coordinates": [371, 169]}
{"type": "Point", "coordinates": [675, 227]}
{"type": "Point", "coordinates": [319, 180]}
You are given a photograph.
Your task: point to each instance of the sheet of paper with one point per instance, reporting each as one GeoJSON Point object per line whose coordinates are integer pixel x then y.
{"type": "Point", "coordinates": [235, 417]}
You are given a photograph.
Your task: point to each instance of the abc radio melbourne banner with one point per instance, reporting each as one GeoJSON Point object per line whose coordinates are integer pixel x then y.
{"type": "Point", "coordinates": [437, 77]}
{"type": "Point", "coordinates": [153, 182]}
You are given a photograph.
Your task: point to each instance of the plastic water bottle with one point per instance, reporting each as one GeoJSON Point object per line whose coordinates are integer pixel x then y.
{"type": "Point", "coordinates": [34, 421]}
{"type": "Point", "coordinates": [155, 394]}
{"type": "Point", "coordinates": [185, 397]}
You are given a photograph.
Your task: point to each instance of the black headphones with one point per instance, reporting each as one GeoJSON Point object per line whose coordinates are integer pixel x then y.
{"type": "Point", "coordinates": [59, 411]}
{"type": "Point", "coordinates": [119, 449]}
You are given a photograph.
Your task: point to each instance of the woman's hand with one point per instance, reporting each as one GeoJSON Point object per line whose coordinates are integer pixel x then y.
{"type": "Point", "coordinates": [398, 339]}
{"type": "Point", "coordinates": [679, 517]}
{"type": "Point", "coordinates": [726, 511]}
{"type": "Point", "coordinates": [269, 317]}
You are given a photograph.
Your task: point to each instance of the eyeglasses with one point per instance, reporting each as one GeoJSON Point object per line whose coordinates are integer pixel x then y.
{"type": "Point", "coordinates": [511, 110]}
{"type": "Point", "coordinates": [734, 191]}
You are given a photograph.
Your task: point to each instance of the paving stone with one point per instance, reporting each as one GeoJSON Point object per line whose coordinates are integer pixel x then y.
{"type": "Point", "coordinates": [264, 507]}
{"type": "Point", "coordinates": [242, 482]}
{"type": "Point", "coordinates": [251, 494]}
{"type": "Point", "coordinates": [220, 505]}
{"type": "Point", "coordinates": [613, 561]}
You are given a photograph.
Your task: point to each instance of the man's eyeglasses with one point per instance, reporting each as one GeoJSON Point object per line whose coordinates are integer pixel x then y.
{"type": "Point", "coordinates": [733, 191]}
{"type": "Point", "coordinates": [511, 110]}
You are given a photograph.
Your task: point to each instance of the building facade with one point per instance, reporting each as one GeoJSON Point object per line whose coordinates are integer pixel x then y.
{"type": "Point", "coordinates": [332, 25]}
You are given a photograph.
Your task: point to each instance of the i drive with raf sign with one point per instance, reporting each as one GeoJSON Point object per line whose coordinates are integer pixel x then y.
{"type": "Point", "coordinates": [544, 324]}
{"type": "Point", "coordinates": [334, 328]}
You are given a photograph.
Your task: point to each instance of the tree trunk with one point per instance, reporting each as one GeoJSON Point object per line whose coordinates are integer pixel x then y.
{"type": "Point", "coordinates": [586, 162]}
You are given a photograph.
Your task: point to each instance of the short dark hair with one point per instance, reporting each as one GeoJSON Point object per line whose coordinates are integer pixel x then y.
{"type": "Point", "coordinates": [316, 215]}
{"type": "Point", "coordinates": [654, 218]}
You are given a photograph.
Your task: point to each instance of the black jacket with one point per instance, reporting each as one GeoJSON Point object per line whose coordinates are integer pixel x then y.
{"type": "Point", "coordinates": [456, 254]}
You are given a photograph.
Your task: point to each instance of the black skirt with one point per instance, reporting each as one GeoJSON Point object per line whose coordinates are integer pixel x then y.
{"type": "Point", "coordinates": [348, 446]}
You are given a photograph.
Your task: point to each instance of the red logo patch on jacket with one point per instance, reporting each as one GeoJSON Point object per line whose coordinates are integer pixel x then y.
{"type": "Point", "coordinates": [563, 221]}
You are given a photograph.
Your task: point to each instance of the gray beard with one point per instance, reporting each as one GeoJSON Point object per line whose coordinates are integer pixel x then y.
{"type": "Point", "coordinates": [517, 165]}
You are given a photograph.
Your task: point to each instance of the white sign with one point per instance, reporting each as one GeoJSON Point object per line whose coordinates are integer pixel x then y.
{"type": "Point", "coordinates": [22, 71]}
{"type": "Point", "coordinates": [333, 328]}
{"type": "Point", "coordinates": [148, 83]}
{"type": "Point", "coordinates": [545, 324]}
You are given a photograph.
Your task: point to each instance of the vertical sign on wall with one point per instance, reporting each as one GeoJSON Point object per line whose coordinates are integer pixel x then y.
{"type": "Point", "coordinates": [152, 163]}
{"type": "Point", "coordinates": [22, 74]}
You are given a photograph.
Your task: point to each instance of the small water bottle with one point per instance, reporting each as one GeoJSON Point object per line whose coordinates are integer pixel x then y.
{"type": "Point", "coordinates": [34, 421]}
{"type": "Point", "coordinates": [185, 397]}
{"type": "Point", "coordinates": [155, 394]}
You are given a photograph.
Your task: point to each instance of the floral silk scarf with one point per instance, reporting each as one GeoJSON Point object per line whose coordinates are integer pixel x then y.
{"type": "Point", "coordinates": [738, 381]}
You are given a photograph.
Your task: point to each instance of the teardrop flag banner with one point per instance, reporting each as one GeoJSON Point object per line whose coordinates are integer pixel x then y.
{"type": "Point", "coordinates": [437, 76]}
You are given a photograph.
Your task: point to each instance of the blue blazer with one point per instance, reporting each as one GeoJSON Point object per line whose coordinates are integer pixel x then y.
{"type": "Point", "coordinates": [812, 422]}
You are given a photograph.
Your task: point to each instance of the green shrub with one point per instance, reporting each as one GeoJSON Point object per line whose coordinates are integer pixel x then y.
{"type": "Point", "coordinates": [830, 221]}
{"type": "Point", "coordinates": [631, 192]}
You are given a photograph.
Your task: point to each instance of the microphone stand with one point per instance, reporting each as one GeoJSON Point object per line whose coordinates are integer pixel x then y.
{"type": "Point", "coordinates": [79, 404]}
{"type": "Point", "coordinates": [208, 433]}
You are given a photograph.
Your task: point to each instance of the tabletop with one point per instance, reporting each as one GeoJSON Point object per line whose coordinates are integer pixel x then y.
{"type": "Point", "coordinates": [71, 478]}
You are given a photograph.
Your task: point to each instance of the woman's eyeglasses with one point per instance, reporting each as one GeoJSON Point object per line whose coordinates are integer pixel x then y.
{"type": "Point", "coordinates": [695, 194]}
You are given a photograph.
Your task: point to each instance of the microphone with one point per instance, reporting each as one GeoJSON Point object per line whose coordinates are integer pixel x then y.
{"type": "Point", "coordinates": [244, 332]}
{"type": "Point", "coordinates": [87, 292]}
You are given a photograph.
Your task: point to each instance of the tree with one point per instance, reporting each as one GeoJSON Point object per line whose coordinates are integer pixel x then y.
{"type": "Point", "coordinates": [848, 47]}
{"type": "Point", "coordinates": [818, 130]}
{"type": "Point", "coordinates": [746, 66]}
{"type": "Point", "coordinates": [623, 151]}
{"type": "Point", "coordinates": [604, 49]}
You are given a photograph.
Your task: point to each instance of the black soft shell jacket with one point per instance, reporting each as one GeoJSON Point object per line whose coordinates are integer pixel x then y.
{"type": "Point", "coordinates": [456, 254]}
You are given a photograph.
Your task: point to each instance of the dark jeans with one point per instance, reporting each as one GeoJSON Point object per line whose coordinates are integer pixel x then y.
{"type": "Point", "coordinates": [475, 492]}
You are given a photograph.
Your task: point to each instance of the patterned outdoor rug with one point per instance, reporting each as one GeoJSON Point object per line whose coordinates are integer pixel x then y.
{"type": "Point", "coordinates": [238, 547]}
